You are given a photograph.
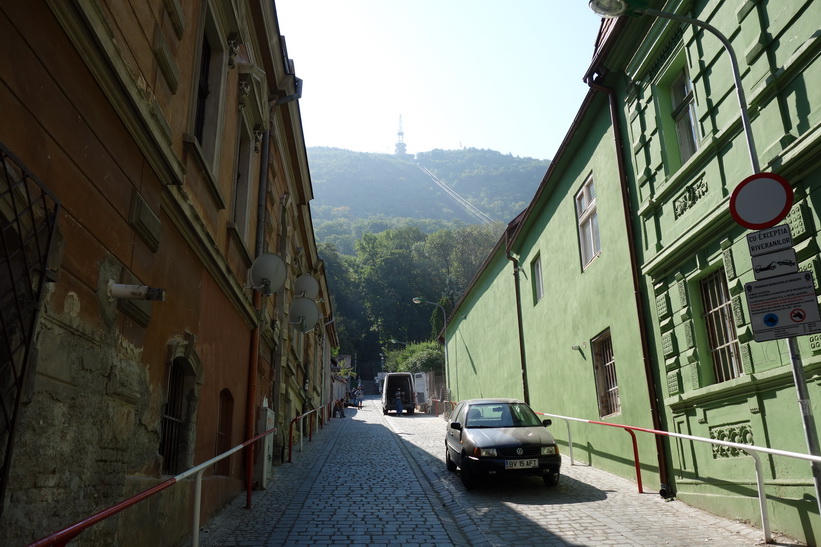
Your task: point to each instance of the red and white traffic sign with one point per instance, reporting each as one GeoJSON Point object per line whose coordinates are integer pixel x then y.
{"type": "Point", "coordinates": [761, 201]}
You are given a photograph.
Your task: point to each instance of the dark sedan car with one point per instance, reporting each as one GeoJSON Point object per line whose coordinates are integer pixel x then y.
{"type": "Point", "coordinates": [487, 437]}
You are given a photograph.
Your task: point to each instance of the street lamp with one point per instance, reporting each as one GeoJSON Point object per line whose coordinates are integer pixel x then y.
{"type": "Point", "coordinates": [420, 300]}
{"type": "Point", "coordinates": [616, 8]}
{"type": "Point", "coordinates": [395, 341]}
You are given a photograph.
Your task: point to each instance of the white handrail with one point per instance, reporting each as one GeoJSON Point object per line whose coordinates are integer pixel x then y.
{"type": "Point", "coordinates": [752, 450]}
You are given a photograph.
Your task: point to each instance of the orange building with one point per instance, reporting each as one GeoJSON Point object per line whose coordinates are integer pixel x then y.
{"type": "Point", "coordinates": [149, 144]}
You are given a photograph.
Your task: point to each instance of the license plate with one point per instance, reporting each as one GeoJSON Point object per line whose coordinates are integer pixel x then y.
{"type": "Point", "coordinates": [521, 464]}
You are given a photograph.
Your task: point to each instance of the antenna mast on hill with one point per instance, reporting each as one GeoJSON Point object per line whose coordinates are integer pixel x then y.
{"type": "Point", "coordinates": [400, 144]}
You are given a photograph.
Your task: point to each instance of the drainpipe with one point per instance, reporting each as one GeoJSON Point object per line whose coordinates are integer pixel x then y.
{"type": "Point", "coordinates": [253, 361]}
{"type": "Point", "coordinates": [523, 359]}
{"type": "Point", "coordinates": [661, 450]}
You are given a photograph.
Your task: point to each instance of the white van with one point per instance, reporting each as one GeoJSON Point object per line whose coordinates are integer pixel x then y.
{"type": "Point", "coordinates": [403, 381]}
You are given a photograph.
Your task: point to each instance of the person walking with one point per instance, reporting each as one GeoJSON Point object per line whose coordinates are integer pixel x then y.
{"type": "Point", "coordinates": [398, 397]}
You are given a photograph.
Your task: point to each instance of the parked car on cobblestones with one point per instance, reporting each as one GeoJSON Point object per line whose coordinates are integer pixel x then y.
{"type": "Point", "coordinates": [489, 437]}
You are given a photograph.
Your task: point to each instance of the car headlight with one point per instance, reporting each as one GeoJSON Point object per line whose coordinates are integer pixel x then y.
{"type": "Point", "coordinates": [485, 452]}
{"type": "Point", "coordinates": [550, 450]}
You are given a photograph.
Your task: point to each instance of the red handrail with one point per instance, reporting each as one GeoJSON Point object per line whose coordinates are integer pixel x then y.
{"type": "Point", "coordinates": [327, 408]}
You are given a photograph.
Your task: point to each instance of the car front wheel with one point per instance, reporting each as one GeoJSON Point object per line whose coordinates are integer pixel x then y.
{"type": "Point", "coordinates": [468, 480]}
{"type": "Point", "coordinates": [448, 462]}
{"type": "Point", "coordinates": [551, 479]}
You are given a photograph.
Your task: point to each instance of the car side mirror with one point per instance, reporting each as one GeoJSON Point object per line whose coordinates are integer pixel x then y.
{"type": "Point", "coordinates": [456, 425]}
{"type": "Point", "coordinates": [547, 422]}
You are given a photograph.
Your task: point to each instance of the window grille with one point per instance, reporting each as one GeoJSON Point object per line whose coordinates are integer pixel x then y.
{"type": "Point", "coordinates": [173, 420]}
{"type": "Point", "coordinates": [721, 334]}
{"type": "Point", "coordinates": [28, 221]}
{"type": "Point", "coordinates": [607, 386]}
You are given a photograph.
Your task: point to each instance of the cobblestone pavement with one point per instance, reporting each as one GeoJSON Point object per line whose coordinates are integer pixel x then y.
{"type": "Point", "coordinates": [370, 479]}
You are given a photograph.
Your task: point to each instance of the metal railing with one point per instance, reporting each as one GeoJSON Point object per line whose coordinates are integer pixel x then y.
{"type": "Point", "coordinates": [62, 537]}
{"type": "Point", "coordinates": [749, 449]}
{"type": "Point", "coordinates": [320, 414]}
{"type": "Point", "coordinates": [446, 407]}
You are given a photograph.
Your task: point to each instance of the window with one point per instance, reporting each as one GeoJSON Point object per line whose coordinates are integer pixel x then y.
{"type": "Point", "coordinates": [176, 431]}
{"type": "Point", "coordinates": [226, 417]}
{"type": "Point", "coordinates": [588, 222]}
{"type": "Point", "coordinates": [718, 316]}
{"type": "Point", "coordinates": [202, 88]}
{"type": "Point", "coordinates": [173, 420]}
{"type": "Point", "coordinates": [684, 115]}
{"type": "Point", "coordinates": [244, 167]}
{"type": "Point", "coordinates": [536, 274]}
{"type": "Point", "coordinates": [604, 365]}
{"type": "Point", "coordinates": [209, 94]}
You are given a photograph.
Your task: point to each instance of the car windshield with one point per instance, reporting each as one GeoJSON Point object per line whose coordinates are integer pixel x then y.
{"type": "Point", "coordinates": [501, 415]}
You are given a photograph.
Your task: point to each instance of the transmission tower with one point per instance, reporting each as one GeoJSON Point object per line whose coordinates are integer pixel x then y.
{"type": "Point", "coordinates": [401, 149]}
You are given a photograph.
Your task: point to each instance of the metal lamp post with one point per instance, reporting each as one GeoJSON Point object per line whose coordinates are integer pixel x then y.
{"type": "Point", "coordinates": [617, 8]}
{"type": "Point", "coordinates": [420, 300]}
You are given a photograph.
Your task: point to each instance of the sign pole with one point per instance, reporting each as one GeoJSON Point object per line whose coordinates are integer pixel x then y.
{"type": "Point", "coordinates": [806, 414]}
{"type": "Point", "coordinates": [759, 202]}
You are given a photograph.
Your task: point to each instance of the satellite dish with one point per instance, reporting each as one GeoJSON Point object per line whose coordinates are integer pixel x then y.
{"type": "Point", "coordinates": [267, 273]}
{"type": "Point", "coordinates": [307, 286]}
{"type": "Point", "coordinates": [304, 312]}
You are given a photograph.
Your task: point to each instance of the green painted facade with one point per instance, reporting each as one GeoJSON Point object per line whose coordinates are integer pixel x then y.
{"type": "Point", "coordinates": [686, 245]}
{"type": "Point", "coordinates": [579, 303]}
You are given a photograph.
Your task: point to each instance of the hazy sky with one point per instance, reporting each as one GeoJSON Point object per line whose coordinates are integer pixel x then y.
{"type": "Point", "coordinates": [504, 75]}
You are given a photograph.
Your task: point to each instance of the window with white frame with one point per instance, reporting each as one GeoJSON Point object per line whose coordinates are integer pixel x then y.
{"type": "Point", "coordinates": [607, 385]}
{"type": "Point", "coordinates": [536, 274]}
{"type": "Point", "coordinates": [588, 222]}
{"type": "Point", "coordinates": [684, 115]}
{"type": "Point", "coordinates": [721, 333]}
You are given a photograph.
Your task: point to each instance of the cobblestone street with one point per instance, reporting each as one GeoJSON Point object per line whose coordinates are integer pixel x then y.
{"type": "Point", "coordinates": [370, 479]}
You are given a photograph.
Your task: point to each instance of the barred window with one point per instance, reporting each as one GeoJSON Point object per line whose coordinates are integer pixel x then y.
{"type": "Point", "coordinates": [607, 385]}
{"type": "Point", "coordinates": [178, 415]}
{"type": "Point", "coordinates": [718, 317]}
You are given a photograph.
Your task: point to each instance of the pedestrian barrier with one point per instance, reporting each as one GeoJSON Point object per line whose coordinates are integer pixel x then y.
{"type": "Point", "coordinates": [446, 407]}
{"type": "Point", "coordinates": [752, 450]}
{"type": "Point", "coordinates": [63, 536]}
{"type": "Point", "coordinates": [325, 410]}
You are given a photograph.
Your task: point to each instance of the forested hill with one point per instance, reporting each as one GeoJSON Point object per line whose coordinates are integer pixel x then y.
{"type": "Point", "coordinates": [358, 192]}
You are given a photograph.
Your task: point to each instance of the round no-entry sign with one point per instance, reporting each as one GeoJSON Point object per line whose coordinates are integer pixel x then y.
{"type": "Point", "coordinates": [761, 201]}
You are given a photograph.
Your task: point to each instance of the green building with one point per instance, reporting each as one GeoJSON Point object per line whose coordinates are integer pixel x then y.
{"type": "Point", "coordinates": [618, 295]}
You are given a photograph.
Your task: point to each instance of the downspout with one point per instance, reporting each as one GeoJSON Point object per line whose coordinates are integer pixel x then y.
{"type": "Point", "coordinates": [661, 450]}
{"type": "Point", "coordinates": [253, 361]}
{"type": "Point", "coordinates": [523, 359]}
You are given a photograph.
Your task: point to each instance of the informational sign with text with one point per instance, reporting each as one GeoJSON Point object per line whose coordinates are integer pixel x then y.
{"type": "Point", "coordinates": [782, 307]}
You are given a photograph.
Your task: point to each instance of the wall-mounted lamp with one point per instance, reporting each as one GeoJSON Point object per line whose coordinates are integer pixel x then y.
{"type": "Point", "coordinates": [135, 292]}
{"type": "Point", "coordinates": [267, 274]}
{"type": "Point", "coordinates": [577, 348]}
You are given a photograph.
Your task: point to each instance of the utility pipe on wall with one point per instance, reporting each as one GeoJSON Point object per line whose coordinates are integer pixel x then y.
{"type": "Point", "coordinates": [661, 449]}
